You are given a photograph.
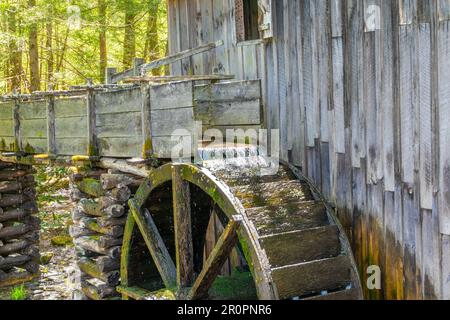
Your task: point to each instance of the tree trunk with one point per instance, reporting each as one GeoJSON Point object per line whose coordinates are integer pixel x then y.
{"type": "Point", "coordinates": [102, 39]}
{"type": "Point", "coordinates": [33, 52]}
{"type": "Point", "coordinates": [15, 53]}
{"type": "Point", "coordinates": [49, 48]}
{"type": "Point", "coordinates": [129, 42]}
{"type": "Point", "coordinates": [151, 50]}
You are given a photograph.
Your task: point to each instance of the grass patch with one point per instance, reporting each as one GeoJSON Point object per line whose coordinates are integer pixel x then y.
{"type": "Point", "coordinates": [19, 293]}
{"type": "Point", "coordinates": [239, 286]}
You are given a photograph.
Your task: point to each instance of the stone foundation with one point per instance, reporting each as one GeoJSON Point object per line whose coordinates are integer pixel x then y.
{"type": "Point", "coordinates": [19, 225]}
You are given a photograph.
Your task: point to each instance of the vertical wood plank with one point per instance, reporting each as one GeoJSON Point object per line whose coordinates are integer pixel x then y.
{"type": "Point", "coordinates": [280, 39]}
{"type": "Point", "coordinates": [387, 96]}
{"type": "Point", "coordinates": [445, 249]}
{"type": "Point", "coordinates": [354, 86]}
{"type": "Point", "coordinates": [444, 126]}
{"type": "Point", "coordinates": [207, 34]}
{"type": "Point", "coordinates": [197, 60]}
{"type": "Point", "coordinates": [407, 100]}
{"type": "Point", "coordinates": [185, 35]}
{"type": "Point", "coordinates": [338, 94]}
{"type": "Point", "coordinates": [172, 10]}
{"type": "Point", "coordinates": [308, 72]}
{"type": "Point", "coordinates": [219, 32]}
{"type": "Point", "coordinates": [323, 37]}
{"type": "Point", "coordinates": [288, 39]}
{"type": "Point", "coordinates": [370, 100]}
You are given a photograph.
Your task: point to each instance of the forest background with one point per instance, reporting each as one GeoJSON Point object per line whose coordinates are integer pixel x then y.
{"type": "Point", "coordinates": [53, 44]}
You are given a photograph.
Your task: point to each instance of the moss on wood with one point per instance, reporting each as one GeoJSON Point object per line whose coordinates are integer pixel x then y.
{"type": "Point", "coordinates": [91, 187]}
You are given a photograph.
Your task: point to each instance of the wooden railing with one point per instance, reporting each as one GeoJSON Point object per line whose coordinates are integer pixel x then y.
{"type": "Point", "coordinates": [140, 68]}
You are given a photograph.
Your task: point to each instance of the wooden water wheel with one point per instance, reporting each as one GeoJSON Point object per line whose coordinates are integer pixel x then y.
{"type": "Point", "coordinates": [293, 246]}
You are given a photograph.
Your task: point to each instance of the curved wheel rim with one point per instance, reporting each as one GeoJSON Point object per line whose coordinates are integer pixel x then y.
{"type": "Point", "coordinates": [178, 276]}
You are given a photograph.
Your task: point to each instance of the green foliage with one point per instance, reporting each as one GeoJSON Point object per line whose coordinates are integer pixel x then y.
{"type": "Point", "coordinates": [239, 286]}
{"type": "Point", "coordinates": [73, 51]}
{"type": "Point", "coordinates": [19, 293]}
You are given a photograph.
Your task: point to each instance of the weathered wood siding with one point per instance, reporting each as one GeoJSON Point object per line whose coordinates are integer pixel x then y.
{"type": "Point", "coordinates": [70, 126]}
{"type": "Point", "coordinates": [7, 126]}
{"type": "Point", "coordinates": [119, 123]}
{"type": "Point", "coordinates": [360, 91]}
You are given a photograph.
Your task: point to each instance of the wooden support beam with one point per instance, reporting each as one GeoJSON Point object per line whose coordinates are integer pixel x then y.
{"type": "Point", "coordinates": [217, 258]}
{"type": "Point", "coordinates": [183, 229]}
{"type": "Point", "coordinates": [16, 119]}
{"type": "Point", "coordinates": [179, 56]}
{"type": "Point", "coordinates": [206, 77]}
{"type": "Point", "coordinates": [91, 123]}
{"type": "Point", "coordinates": [137, 64]}
{"type": "Point", "coordinates": [134, 71]}
{"type": "Point", "coordinates": [51, 128]}
{"type": "Point", "coordinates": [155, 244]}
{"type": "Point", "coordinates": [109, 72]}
{"type": "Point", "coordinates": [147, 145]}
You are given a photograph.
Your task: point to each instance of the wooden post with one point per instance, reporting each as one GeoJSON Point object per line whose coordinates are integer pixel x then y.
{"type": "Point", "coordinates": [109, 72]}
{"type": "Point", "coordinates": [16, 118]}
{"type": "Point", "coordinates": [137, 63]}
{"type": "Point", "coordinates": [51, 132]}
{"type": "Point", "coordinates": [183, 229]}
{"type": "Point", "coordinates": [147, 145]}
{"type": "Point", "coordinates": [91, 121]}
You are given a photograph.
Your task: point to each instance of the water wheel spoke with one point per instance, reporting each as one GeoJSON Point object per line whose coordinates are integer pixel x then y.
{"type": "Point", "coordinates": [183, 229]}
{"type": "Point", "coordinates": [155, 244]}
{"type": "Point", "coordinates": [216, 260]}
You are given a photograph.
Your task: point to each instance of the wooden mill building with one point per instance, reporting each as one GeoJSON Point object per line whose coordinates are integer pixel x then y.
{"type": "Point", "coordinates": [359, 90]}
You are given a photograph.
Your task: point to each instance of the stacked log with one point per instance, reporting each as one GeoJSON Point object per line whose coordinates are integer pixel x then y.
{"type": "Point", "coordinates": [98, 226]}
{"type": "Point", "coordinates": [19, 227]}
